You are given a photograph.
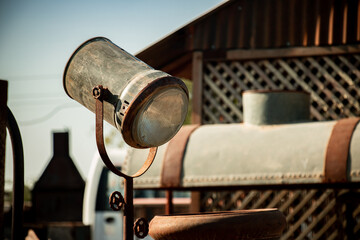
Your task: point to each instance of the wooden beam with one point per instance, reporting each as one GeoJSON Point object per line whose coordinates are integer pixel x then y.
{"type": "Point", "coordinates": [196, 118]}
{"type": "Point", "coordinates": [197, 76]}
{"type": "Point", "coordinates": [180, 67]}
{"type": "Point", "coordinates": [242, 54]}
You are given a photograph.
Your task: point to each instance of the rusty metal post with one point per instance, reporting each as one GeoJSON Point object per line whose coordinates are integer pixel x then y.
{"type": "Point", "coordinates": [169, 207]}
{"type": "Point", "coordinates": [116, 201]}
{"type": "Point", "coordinates": [129, 209]}
{"type": "Point", "coordinates": [196, 115]}
{"type": "Point", "coordinates": [18, 177]}
{"type": "Point", "coordinates": [7, 119]}
{"type": "Point", "coordinates": [3, 118]}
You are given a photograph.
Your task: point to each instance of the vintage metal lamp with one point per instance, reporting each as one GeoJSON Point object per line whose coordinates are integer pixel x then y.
{"type": "Point", "coordinates": [146, 105]}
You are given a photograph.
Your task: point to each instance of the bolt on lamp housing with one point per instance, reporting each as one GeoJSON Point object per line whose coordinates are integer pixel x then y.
{"type": "Point", "coordinates": [146, 105]}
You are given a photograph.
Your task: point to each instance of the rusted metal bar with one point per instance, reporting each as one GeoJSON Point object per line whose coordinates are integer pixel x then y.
{"type": "Point", "coordinates": [244, 224]}
{"type": "Point", "coordinates": [169, 207]}
{"type": "Point", "coordinates": [100, 93]}
{"type": "Point", "coordinates": [129, 209]}
{"type": "Point", "coordinates": [3, 118]}
{"type": "Point", "coordinates": [195, 205]}
{"type": "Point", "coordinates": [18, 177]}
{"type": "Point", "coordinates": [337, 153]}
{"type": "Point", "coordinates": [173, 158]}
{"type": "Point", "coordinates": [196, 115]}
{"type": "Point", "coordinates": [197, 76]}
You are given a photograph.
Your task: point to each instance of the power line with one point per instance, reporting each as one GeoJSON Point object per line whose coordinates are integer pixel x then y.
{"type": "Point", "coordinates": [34, 77]}
{"type": "Point", "coordinates": [38, 101]}
{"type": "Point", "coordinates": [26, 97]}
{"type": "Point", "coordinates": [48, 115]}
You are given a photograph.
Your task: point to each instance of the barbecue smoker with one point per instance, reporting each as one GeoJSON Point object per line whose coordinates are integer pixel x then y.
{"type": "Point", "coordinates": [276, 147]}
{"type": "Point", "coordinates": [149, 107]}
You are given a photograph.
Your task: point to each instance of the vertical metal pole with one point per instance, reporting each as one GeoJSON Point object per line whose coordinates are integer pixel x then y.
{"type": "Point", "coordinates": [197, 78]}
{"type": "Point", "coordinates": [196, 115]}
{"type": "Point", "coordinates": [169, 207]}
{"type": "Point", "coordinates": [18, 177]}
{"type": "Point", "coordinates": [129, 209]}
{"type": "Point", "coordinates": [3, 119]}
{"type": "Point", "coordinates": [195, 205]}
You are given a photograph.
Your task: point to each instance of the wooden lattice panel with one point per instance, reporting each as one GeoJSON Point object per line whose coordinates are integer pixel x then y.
{"type": "Point", "coordinates": [333, 82]}
{"type": "Point", "coordinates": [310, 213]}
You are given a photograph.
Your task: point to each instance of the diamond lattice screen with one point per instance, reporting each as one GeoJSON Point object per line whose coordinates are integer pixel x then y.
{"type": "Point", "coordinates": [334, 84]}
{"type": "Point", "coordinates": [332, 81]}
{"type": "Point", "coordinates": [310, 213]}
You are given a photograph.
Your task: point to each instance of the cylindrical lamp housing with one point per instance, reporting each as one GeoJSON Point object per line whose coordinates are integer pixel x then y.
{"type": "Point", "coordinates": [148, 106]}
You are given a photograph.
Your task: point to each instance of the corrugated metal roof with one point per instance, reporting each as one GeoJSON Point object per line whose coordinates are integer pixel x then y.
{"type": "Point", "coordinates": [258, 24]}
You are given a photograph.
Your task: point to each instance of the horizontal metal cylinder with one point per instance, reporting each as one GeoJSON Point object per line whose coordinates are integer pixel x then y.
{"type": "Point", "coordinates": [100, 62]}
{"type": "Point", "coordinates": [239, 154]}
{"type": "Point", "coordinates": [147, 106]}
{"type": "Point", "coordinates": [242, 224]}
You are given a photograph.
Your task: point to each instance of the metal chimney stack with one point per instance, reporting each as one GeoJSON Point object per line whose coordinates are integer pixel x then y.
{"type": "Point", "coordinates": [58, 194]}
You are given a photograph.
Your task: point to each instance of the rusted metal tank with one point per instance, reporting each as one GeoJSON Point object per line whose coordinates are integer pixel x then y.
{"type": "Point", "coordinates": [276, 145]}
{"type": "Point", "coordinates": [292, 151]}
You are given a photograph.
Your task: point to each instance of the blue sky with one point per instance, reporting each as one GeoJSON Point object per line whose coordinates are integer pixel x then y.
{"type": "Point", "coordinates": [36, 40]}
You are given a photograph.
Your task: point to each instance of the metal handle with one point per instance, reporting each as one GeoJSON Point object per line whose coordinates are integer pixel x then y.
{"type": "Point", "coordinates": [99, 92]}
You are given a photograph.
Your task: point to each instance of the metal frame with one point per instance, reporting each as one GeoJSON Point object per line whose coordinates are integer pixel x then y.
{"type": "Point", "coordinates": [3, 118]}
{"type": "Point", "coordinates": [116, 201]}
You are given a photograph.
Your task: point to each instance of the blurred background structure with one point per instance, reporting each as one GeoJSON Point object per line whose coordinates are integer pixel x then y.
{"type": "Point", "coordinates": [240, 45]}
{"type": "Point", "coordinates": [311, 46]}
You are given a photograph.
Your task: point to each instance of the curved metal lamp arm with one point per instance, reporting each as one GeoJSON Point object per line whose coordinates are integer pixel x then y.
{"type": "Point", "coordinates": [18, 176]}
{"type": "Point", "coordinates": [99, 94]}
{"type": "Point", "coordinates": [99, 112]}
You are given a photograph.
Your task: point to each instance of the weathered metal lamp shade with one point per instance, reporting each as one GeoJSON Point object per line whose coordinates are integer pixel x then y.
{"type": "Point", "coordinates": [148, 106]}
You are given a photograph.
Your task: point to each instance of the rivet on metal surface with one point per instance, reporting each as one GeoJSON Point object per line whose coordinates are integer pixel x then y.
{"type": "Point", "coordinates": [116, 201]}
{"type": "Point", "coordinates": [141, 227]}
{"type": "Point", "coordinates": [99, 92]}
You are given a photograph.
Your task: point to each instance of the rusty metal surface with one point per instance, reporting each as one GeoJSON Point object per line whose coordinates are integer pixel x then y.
{"type": "Point", "coordinates": [116, 201]}
{"type": "Point", "coordinates": [82, 73]}
{"type": "Point", "coordinates": [141, 228]}
{"type": "Point", "coordinates": [169, 206]}
{"type": "Point", "coordinates": [311, 213]}
{"type": "Point", "coordinates": [101, 145]}
{"type": "Point", "coordinates": [18, 177]}
{"type": "Point", "coordinates": [243, 224]}
{"type": "Point", "coordinates": [3, 119]}
{"type": "Point", "coordinates": [128, 217]}
{"type": "Point", "coordinates": [173, 158]}
{"type": "Point", "coordinates": [130, 83]}
{"type": "Point", "coordinates": [336, 160]}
